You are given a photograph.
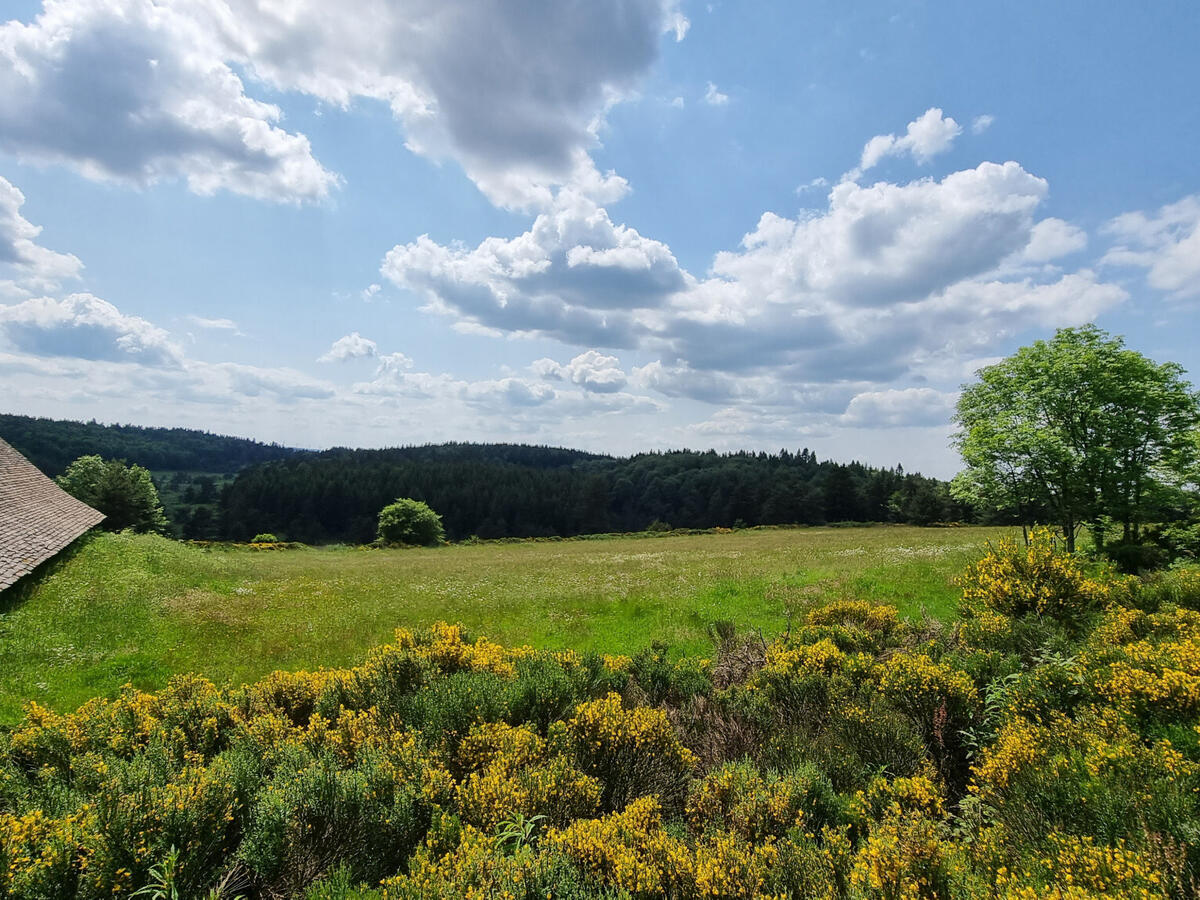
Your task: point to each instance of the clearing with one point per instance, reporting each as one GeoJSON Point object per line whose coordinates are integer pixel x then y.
{"type": "Point", "coordinates": [129, 608]}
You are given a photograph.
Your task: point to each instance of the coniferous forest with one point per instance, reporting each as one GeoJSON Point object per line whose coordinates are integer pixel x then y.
{"type": "Point", "coordinates": [495, 491]}
{"type": "Point", "coordinates": [486, 490]}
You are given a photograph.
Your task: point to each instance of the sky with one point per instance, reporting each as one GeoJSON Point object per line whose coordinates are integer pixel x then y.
{"type": "Point", "coordinates": [613, 225]}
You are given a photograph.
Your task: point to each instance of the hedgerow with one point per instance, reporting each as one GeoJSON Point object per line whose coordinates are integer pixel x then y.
{"type": "Point", "coordinates": [1048, 745]}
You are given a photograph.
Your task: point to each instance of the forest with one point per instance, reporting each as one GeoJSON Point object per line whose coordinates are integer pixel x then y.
{"type": "Point", "coordinates": [496, 491]}
{"type": "Point", "coordinates": [222, 488]}
{"type": "Point", "coordinates": [53, 444]}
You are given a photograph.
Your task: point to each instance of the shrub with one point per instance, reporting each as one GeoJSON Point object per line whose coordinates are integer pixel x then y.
{"type": "Point", "coordinates": [737, 798]}
{"type": "Point", "coordinates": [664, 681]}
{"type": "Point", "coordinates": [1038, 580]}
{"type": "Point", "coordinates": [410, 522]}
{"type": "Point", "coordinates": [514, 773]}
{"type": "Point", "coordinates": [634, 752]}
{"type": "Point", "coordinates": [315, 816]}
{"type": "Point", "coordinates": [264, 537]}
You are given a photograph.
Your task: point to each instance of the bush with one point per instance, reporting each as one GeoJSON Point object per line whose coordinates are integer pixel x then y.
{"type": "Point", "coordinates": [1039, 580]}
{"type": "Point", "coordinates": [410, 522]}
{"type": "Point", "coordinates": [264, 538]}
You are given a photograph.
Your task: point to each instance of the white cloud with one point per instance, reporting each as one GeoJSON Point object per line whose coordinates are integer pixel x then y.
{"type": "Point", "coordinates": [593, 371]}
{"type": "Point", "coordinates": [574, 275]}
{"type": "Point", "coordinates": [137, 91]}
{"type": "Point", "coordinates": [982, 123]}
{"type": "Point", "coordinates": [254, 381]}
{"type": "Point", "coordinates": [1166, 244]}
{"type": "Point", "coordinates": [677, 103]}
{"type": "Point", "coordinates": [352, 346]}
{"type": "Point", "coordinates": [714, 97]}
{"type": "Point", "coordinates": [888, 280]}
{"type": "Point", "coordinates": [893, 408]}
{"type": "Point", "coordinates": [214, 324]}
{"type": "Point", "coordinates": [926, 136]}
{"type": "Point", "coordinates": [85, 327]}
{"type": "Point", "coordinates": [818, 182]}
{"type": "Point", "coordinates": [35, 268]}
{"type": "Point", "coordinates": [515, 93]}
{"type": "Point", "coordinates": [1053, 238]}
{"type": "Point", "coordinates": [593, 387]}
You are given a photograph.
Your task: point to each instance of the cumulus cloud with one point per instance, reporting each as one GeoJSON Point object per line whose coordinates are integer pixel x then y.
{"type": "Point", "coordinates": [352, 346]}
{"type": "Point", "coordinates": [889, 279]}
{"type": "Point", "coordinates": [892, 408]}
{"type": "Point", "coordinates": [593, 371]}
{"type": "Point", "coordinates": [514, 92]}
{"type": "Point", "coordinates": [85, 327]}
{"type": "Point", "coordinates": [1053, 238]}
{"type": "Point", "coordinates": [926, 136]}
{"type": "Point", "coordinates": [574, 275]}
{"type": "Point", "coordinates": [1166, 244]}
{"type": "Point", "coordinates": [35, 268]}
{"type": "Point", "coordinates": [592, 386]}
{"type": "Point", "coordinates": [137, 91]}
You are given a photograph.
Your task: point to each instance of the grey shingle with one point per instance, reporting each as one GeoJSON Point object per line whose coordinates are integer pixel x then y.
{"type": "Point", "coordinates": [37, 517]}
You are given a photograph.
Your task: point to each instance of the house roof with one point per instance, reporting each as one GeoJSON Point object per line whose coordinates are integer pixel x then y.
{"type": "Point", "coordinates": [37, 517]}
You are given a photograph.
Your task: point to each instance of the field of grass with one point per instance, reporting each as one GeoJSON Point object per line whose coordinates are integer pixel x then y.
{"type": "Point", "coordinates": [124, 608]}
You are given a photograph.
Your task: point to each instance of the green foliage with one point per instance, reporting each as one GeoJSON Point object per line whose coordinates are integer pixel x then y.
{"type": "Point", "coordinates": [51, 445]}
{"type": "Point", "coordinates": [125, 494]}
{"type": "Point", "coordinates": [264, 538]}
{"type": "Point", "coordinates": [445, 766]}
{"type": "Point", "coordinates": [137, 608]}
{"type": "Point", "coordinates": [500, 491]}
{"type": "Point", "coordinates": [408, 521]}
{"type": "Point", "coordinates": [1079, 427]}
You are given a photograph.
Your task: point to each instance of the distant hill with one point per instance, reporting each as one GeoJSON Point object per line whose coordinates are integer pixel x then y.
{"type": "Point", "coordinates": [52, 444]}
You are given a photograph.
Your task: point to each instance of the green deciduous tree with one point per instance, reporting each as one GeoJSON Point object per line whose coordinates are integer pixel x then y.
{"type": "Point", "coordinates": [410, 522]}
{"type": "Point", "coordinates": [125, 494]}
{"type": "Point", "coordinates": [1079, 426]}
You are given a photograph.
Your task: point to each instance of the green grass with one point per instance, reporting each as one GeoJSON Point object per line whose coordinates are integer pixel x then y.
{"type": "Point", "coordinates": [127, 608]}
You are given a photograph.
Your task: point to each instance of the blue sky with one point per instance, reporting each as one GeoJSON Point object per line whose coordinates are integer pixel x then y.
{"type": "Point", "coordinates": [617, 226]}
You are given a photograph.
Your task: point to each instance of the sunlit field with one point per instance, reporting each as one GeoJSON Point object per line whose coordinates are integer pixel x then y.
{"type": "Point", "coordinates": [138, 609]}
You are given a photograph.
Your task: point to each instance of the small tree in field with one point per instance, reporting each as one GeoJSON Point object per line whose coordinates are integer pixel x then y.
{"type": "Point", "coordinates": [410, 522]}
{"type": "Point", "coordinates": [125, 494]}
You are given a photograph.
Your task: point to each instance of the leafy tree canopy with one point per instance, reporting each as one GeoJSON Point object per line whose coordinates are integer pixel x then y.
{"type": "Point", "coordinates": [125, 494]}
{"type": "Point", "coordinates": [410, 522]}
{"type": "Point", "coordinates": [1079, 426]}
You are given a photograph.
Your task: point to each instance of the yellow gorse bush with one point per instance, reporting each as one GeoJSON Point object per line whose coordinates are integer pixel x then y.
{"type": "Point", "coordinates": [1037, 579]}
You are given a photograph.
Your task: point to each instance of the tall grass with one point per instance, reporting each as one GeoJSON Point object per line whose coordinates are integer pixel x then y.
{"type": "Point", "coordinates": [129, 608]}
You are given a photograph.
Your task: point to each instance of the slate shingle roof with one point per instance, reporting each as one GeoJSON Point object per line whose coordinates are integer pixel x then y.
{"type": "Point", "coordinates": [37, 517]}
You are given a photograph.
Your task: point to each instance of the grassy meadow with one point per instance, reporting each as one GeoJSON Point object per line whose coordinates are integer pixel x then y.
{"type": "Point", "coordinates": [137, 609]}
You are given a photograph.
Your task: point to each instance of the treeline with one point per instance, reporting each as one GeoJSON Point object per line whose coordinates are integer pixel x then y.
{"type": "Point", "coordinates": [53, 444]}
{"type": "Point", "coordinates": [494, 491]}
